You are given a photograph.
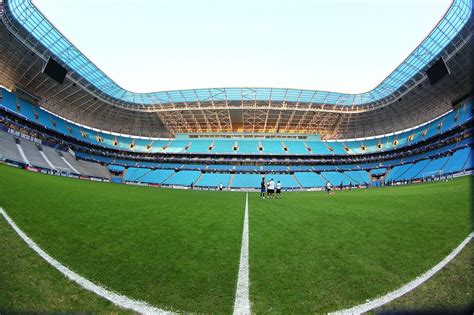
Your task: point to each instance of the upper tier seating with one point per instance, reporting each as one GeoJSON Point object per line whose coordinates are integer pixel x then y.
{"type": "Point", "coordinates": [198, 146]}
{"type": "Point", "coordinates": [247, 147]}
{"type": "Point", "coordinates": [37, 115]}
{"type": "Point", "coordinates": [223, 146]}
{"type": "Point", "coordinates": [296, 147]}
{"type": "Point", "coordinates": [272, 147]}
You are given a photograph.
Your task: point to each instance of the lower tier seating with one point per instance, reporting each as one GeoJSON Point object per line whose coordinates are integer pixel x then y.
{"type": "Point", "coordinates": [455, 157]}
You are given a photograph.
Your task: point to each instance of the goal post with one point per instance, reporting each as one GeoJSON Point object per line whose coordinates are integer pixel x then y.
{"type": "Point", "coordinates": [434, 175]}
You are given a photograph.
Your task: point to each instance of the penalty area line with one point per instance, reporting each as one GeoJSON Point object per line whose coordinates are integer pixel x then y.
{"type": "Point", "coordinates": [389, 297]}
{"type": "Point", "coordinates": [117, 299]}
{"type": "Point", "coordinates": [242, 299]}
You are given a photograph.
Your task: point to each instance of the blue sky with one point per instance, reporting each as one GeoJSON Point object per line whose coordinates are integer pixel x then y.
{"type": "Point", "coordinates": [344, 46]}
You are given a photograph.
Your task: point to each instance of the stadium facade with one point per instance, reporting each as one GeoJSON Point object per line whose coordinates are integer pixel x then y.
{"type": "Point", "coordinates": [417, 121]}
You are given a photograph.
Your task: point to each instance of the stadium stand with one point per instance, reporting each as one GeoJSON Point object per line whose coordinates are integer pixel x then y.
{"type": "Point", "coordinates": [272, 147]}
{"type": "Point", "coordinates": [358, 177]}
{"type": "Point", "coordinates": [246, 181]}
{"type": "Point", "coordinates": [455, 158]}
{"type": "Point", "coordinates": [287, 181]}
{"type": "Point", "coordinates": [378, 171]}
{"type": "Point", "coordinates": [8, 148]}
{"type": "Point", "coordinates": [309, 179]}
{"type": "Point", "coordinates": [145, 175]}
{"type": "Point", "coordinates": [336, 178]}
{"type": "Point", "coordinates": [200, 146]}
{"type": "Point", "coordinates": [56, 160]}
{"type": "Point", "coordinates": [457, 161]}
{"type": "Point", "coordinates": [213, 180]}
{"type": "Point", "coordinates": [298, 147]}
{"type": "Point", "coordinates": [393, 139]}
{"type": "Point", "coordinates": [183, 178]}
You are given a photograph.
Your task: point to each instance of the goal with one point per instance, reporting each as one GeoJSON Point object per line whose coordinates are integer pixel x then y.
{"type": "Point", "coordinates": [430, 176]}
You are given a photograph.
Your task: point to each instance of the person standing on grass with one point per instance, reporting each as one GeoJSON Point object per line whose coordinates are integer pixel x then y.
{"type": "Point", "coordinates": [220, 186]}
{"type": "Point", "coordinates": [278, 189]}
{"type": "Point", "coordinates": [262, 188]}
{"type": "Point", "coordinates": [341, 186]}
{"type": "Point", "coordinates": [328, 188]}
{"type": "Point", "coordinates": [271, 188]}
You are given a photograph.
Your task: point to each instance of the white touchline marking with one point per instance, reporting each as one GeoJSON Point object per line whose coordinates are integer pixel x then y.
{"type": "Point", "coordinates": [242, 300]}
{"type": "Point", "coordinates": [370, 305]}
{"type": "Point", "coordinates": [117, 299]}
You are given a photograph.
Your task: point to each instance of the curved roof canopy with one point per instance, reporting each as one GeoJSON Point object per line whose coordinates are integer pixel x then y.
{"type": "Point", "coordinates": [31, 19]}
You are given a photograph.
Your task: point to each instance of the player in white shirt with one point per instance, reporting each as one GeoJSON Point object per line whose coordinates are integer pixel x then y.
{"type": "Point", "coordinates": [271, 188]}
{"type": "Point", "coordinates": [278, 189]}
{"type": "Point", "coordinates": [220, 187]}
{"type": "Point", "coordinates": [329, 188]}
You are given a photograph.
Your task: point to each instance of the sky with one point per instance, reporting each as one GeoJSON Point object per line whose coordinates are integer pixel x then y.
{"type": "Point", "coordinates": [346, 46]}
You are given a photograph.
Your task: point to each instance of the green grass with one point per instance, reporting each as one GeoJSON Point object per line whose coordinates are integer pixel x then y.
{"type": "Point", "coordinates": [30, 285]}
{"type": "Point", "coordinates": [450, 291]}
{"type": "Point", "coordinates": [180, 249]}
{"type": "Point", "coordinates": [310, 252]}
{"type": "Point", "coordinates": [176, 249]}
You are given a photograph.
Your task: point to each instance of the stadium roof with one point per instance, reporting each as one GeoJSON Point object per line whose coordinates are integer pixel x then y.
{"type": "Point", "coordinates": [29, 17]}
{"type": "Point", "coordinates": [23, 57]}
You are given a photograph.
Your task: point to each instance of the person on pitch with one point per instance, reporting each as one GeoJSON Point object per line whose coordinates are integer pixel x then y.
{"type": "Point", "coordinates": [328, 188]}
{"type": "Point", "coordinates": [262, 188]}
{"type": "Point", "coordinates": [271, 188]}
{"type": "Point", "coordinates": [278, 189]}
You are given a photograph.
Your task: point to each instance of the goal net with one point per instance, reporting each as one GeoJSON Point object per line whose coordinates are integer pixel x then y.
{"type": "Point", "coordinates": [429, 176]}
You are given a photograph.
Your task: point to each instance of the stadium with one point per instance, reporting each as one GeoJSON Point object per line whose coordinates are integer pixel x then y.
{"type": "Point", "coordinates": [115, 201]}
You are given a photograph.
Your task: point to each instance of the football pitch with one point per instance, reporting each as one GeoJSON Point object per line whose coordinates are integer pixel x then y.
{"type": "Point", "coordinates": [179, 250]}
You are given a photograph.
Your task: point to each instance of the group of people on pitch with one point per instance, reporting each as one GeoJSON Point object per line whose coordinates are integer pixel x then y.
{"type": "Point", "coordinates": [270, 189]}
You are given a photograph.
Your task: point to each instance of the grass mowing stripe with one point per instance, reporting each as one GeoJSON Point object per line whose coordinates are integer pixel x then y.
{"type": "Point", "coordinates": [117, 299]}
{"type": "Point", "coordinates": [387, 298]}
{"type": "Point", "coordinates": [242, 300]}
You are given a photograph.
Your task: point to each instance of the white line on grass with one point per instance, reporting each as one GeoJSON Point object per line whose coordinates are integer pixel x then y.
{"type": "Point", "coordinates": [370, 305]}
{"type": "Point", "coordinates": [117, 299]}
{"type": "Point", "coordinates": [242, 300]}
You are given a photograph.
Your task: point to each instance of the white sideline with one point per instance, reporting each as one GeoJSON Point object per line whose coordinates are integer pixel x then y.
{"type": "Point", "coordinates": [370, 305]}
{"type": "Point", "coordinates": [117, 299]}
{"type": "Point", "coordinates": [242, 300]}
